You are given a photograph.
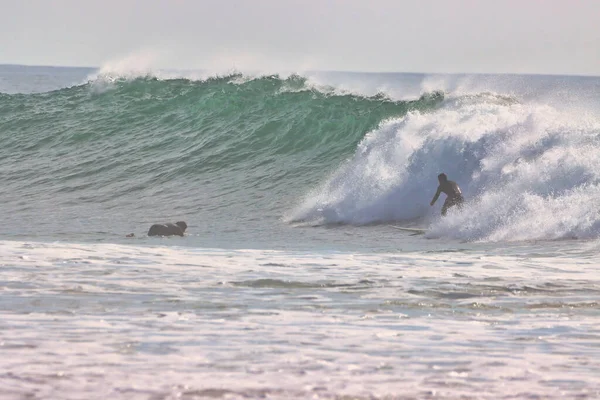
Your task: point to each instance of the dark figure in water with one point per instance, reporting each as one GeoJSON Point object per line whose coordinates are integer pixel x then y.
{"type": "Point", "coordinates": [452, 190]}
{"type": "Point", "coordinates": [169, 229]}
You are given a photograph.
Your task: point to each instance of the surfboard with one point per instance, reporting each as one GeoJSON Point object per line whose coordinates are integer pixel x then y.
{"type": "Point", "coordinates": [414, 231]}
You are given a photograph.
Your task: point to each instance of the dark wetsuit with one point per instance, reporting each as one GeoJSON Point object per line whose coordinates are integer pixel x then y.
{"type": "Point", "coordinates": [165, 230]}
{"type": "Point", "coordinates": [451, 189]}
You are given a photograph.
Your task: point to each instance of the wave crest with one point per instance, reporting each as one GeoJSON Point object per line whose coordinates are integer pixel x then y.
{"type": "Point", "coordinates": [527, 171]}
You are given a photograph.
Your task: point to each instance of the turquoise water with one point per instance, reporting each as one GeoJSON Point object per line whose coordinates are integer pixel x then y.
{"type": "Point", "coordinates": [113, 157]}
{"type": "Point", "coordinates": [290, 283]}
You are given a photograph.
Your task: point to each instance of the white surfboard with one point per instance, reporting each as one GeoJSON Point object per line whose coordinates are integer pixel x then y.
{"type": "Point", "coordinates": [414, 231]}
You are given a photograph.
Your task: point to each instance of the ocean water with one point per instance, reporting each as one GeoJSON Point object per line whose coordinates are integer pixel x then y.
{"type": "Point", "coordinates": [292, 281]}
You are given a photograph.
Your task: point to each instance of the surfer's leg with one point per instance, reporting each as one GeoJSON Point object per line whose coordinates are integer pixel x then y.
{"type": "Point", "coordinates": [451, 202]}
{"type": "Point", "coordinates": [445, 207]}
{"type": "Point", "coordinates": [460, 202]}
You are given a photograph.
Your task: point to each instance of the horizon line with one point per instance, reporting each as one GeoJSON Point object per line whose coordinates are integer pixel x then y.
{"type": "Point", "coordinates": [327, 71]}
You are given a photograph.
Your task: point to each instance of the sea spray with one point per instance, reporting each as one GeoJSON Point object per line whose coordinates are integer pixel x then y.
{"type": "Point", "coordinates": [515, 163]}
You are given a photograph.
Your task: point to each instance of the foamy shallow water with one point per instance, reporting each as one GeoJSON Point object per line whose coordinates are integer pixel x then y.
{"type": "Point", "coordinates": [98, 321]}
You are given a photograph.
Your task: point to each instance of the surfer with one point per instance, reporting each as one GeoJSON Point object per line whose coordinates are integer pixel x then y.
{"type": "Point", "coordinates": [176, 229]}
{"type": "Point", "coordinates": [452, 190]}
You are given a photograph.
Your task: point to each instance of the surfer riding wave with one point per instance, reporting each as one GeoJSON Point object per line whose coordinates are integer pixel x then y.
{"type": "Point", "coordinates": [451, 189]}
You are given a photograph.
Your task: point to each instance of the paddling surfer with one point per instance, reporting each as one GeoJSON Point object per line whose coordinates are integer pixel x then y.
{"type": "Point", "coordinates": [176, 229]}
{"type": "Point", "coordinates": [451, 189]}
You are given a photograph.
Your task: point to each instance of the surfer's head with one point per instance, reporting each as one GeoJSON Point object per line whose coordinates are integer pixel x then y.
{"type": "Point", "coordinates": [442, 177]}
{"type": "Point", "coordinates": [182, 225]}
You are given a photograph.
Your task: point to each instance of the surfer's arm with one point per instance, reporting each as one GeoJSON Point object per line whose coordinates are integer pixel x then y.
{"type": "Point", "coordinates": [437, 194]}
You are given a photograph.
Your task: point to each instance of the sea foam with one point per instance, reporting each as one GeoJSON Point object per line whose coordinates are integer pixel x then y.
{"type": "Point", "coordinates": [528, 171]}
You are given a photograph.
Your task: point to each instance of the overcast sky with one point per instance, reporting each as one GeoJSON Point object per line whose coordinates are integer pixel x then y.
{"type": "Point", "coordinates": [504, 36]}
